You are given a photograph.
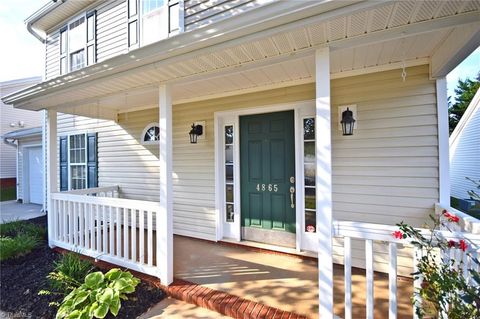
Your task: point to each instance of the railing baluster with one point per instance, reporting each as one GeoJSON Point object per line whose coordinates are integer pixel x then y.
{"type": "Point", "coordinates": [392, 281]}
{"type": "Point", "coordinates": [150, 238]}
{"type": "Point", "coordinates": [141, 233]}
{"type": "Point", "coordinates": [125, 232]}
{"type": "Point", "coordinates": [81, 217]}
{"type": "Point", "coordinates": [86, 207]}
{"type": "Point", "coordinates": [92, 228]}
{"type": "Point", "coordinates": [65, 221]}
{"type": "Point", "coordinates": [60, 220]}
{"type": "Point", "coordinates": [112, 233]}
{"type": "Point", "coordinates": [98, 228]}
{"type": "Point", "coordinates": [134, 234]}
{"type": "Point", "coordinates": [70, 223]}
{"type": "Point", "coordinates": [118, 227]}
{"type": "Point", "coordinates": [369, 270]}
{"type": "Point", "coordinates": [417, 255]}
{"type": "Point", "coordinates": [105, 230]}
{"type": "Point", "coordinates": [348, 277]}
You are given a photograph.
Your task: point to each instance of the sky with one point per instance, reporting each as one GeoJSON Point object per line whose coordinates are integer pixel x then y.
{"type": "Point", "coordinates": [24, 56]}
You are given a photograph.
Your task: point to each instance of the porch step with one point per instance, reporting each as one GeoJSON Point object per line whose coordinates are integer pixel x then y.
{"type": "Point", "coordinates": [224, 303]}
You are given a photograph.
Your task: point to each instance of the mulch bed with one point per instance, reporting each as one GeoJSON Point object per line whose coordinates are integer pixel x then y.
{"type": "Point", "coordinates": [21, 279]}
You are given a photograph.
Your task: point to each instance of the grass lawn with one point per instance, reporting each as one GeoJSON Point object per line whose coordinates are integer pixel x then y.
{"type": "Point", "coordinates": [8, 193]}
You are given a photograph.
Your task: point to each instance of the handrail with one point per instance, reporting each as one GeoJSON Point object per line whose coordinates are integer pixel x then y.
{"type": "Point", "coordinates": [467, 223]}
{"type": "Point", "coordinates": [114, 202]}
{"type": "Point", "coordinates": [380, 232]}
{"type": "Point", "coordinates": [94, 190]}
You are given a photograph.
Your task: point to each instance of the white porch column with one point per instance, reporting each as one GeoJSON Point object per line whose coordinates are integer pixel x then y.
{"type": "Point", "coordinates": [323, 178]}
{"type": "Point", "coordinates": [165, 217]}
{"type": "Point", "coordinates": [443, 143]}
{"type": "Point", "coordinates": [51, 168]}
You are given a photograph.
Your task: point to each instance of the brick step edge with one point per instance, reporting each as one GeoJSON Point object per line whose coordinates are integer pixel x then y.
{"type": "Point", "coordinates": [224, 303]}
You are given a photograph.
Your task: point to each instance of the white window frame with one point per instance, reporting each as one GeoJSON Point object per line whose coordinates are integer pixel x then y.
{"type": "Point", "coordinates": [147, 127]}
{"type": "Point", "coordinates": [69, 163]}
{"type": "Point", "coordinates": [139, 15]}
{"type": "Point", "coordinates": [88, 43]}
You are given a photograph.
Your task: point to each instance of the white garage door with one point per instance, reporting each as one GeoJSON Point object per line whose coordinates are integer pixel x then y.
{"type": "Point", "coordinates": [35, 175]}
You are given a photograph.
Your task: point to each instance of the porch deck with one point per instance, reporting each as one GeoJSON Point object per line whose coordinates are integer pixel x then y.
{"type": "Point", "coordinates": [282, 281]}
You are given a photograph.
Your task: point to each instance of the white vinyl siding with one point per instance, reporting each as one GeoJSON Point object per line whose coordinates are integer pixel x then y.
{"type": "Point", "coordinates": [199, 13]}
{"type": "Point", "coordinates": [52, 55]}
{"type": "Point", "coordinates": [111, 29]}
{"type": "Point", "coordinates": [465, 152]}
{"type": "Point", "coordinates": [122, 160]}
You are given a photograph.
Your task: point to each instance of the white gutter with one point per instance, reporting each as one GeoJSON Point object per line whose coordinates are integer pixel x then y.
{"type": "Point", "coordinates": [40, 13]}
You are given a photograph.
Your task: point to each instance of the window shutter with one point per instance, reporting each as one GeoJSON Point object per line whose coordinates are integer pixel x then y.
{"type": "Point", "coordinates": [91, 25]}
{"type": "Point", "coordinates": [63, 163]}
{"type": "Point", "coordinates": [92, 160]}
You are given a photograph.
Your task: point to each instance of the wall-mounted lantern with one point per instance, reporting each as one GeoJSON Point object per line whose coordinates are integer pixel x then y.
{"type": "Point", "coordinates": [347, 114]}
{"type": "Point", "coordinates": [195, 132]}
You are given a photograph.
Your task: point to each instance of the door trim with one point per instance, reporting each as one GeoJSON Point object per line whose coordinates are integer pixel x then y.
{"type": "Point", "coordinates": [232, 117]}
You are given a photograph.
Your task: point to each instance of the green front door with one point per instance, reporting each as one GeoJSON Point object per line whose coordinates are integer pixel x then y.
{"type": "Point", "coordinates": [267, 168]}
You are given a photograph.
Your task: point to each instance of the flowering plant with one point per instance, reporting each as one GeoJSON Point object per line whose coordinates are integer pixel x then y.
{"type": "Point", "coordinates": [445, 290]}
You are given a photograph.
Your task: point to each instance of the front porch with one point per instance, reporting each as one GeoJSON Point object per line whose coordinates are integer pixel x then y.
{"type": "Point", "coordinates": [92, 222]}
{"type": "Point", "coordinates": [278, 280]}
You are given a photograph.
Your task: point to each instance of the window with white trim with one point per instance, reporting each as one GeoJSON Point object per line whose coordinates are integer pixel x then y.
{"type": "Point", "coordinates": [77, 161]}
{"type": "Point", "coordinates": [152, 20]}
{"type": "Point", "coordinates": [151, 134]}
{"type": "Point", "coordinates": [77, 43]}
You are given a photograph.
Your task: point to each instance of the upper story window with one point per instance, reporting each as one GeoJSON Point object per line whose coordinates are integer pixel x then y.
{"type": "Point", "coordinates": [77, 43]}
{"type": "Point", "coordinates": [151, 20]}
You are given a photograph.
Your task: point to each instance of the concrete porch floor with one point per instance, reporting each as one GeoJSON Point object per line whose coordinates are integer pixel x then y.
{"type": "Point", "coordinates": [286, 282]}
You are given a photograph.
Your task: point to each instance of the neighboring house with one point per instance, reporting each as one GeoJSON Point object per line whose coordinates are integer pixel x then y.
{"type": "Point", "coordinates": [222, 120]}
{"type": "Point", "coordinates": [465, 151]}
{"type": "Point", "coordinates": [29, 162]}
{"type": "Point", "coordinates": [14, 119]}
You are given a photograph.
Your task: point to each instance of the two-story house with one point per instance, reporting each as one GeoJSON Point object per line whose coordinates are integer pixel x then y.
{"type": "Point", "coordinates": [253, 122]}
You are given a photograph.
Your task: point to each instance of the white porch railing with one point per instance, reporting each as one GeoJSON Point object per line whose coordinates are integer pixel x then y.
{"type": "Point", "coordinates": [120, 231]}
{"type": "Point", "coordinates": [371, 233]}
{"type": "Point", "coordinates": [107, 191]}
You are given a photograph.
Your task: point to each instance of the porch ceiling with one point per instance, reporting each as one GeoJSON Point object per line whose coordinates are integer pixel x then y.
{"type": "Point", "coordinates": [383, 35]}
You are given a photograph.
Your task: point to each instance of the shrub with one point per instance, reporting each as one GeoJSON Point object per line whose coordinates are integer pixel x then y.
{"type": "Point", "coordinates": [17, 227]}
{"type": "Point", "coordinates": [17, 246]}
{"type": "Point", "coordinates": [98, 295]}
{"type": "Point", "coordinates": [444, 291]}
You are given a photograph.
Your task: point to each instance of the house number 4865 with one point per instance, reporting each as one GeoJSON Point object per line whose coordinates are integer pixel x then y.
{"type": "Point", "coordinates": [267, 187]}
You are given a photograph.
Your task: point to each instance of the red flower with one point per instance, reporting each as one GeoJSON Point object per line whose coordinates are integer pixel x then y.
{"type": "Point", "coordinates": [451, 217]}
{"type": "Point", "coordinates": [397, 234]}
{"type": "Point", "coordinates": [451, 243]}
{"type": "Point", "coordinates": [463, 245]}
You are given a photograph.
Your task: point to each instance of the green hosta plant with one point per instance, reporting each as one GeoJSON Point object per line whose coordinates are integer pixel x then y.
{"type": "Point", "coordinates": [98, 295]}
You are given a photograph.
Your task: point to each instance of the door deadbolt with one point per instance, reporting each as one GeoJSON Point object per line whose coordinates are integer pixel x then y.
{"type": "Point", "coordinates": [292, 179]}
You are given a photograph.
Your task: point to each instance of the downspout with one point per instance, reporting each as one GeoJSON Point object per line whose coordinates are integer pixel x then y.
{"type": "Point", "coordinates": [35, 33]}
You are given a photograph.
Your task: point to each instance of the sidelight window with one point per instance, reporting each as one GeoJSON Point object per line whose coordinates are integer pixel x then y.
{"type": "Point", "coordinates": [309, 174]}
{"type": "Point", "coordinates": [229, 177]}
